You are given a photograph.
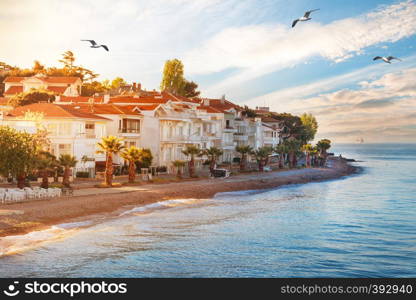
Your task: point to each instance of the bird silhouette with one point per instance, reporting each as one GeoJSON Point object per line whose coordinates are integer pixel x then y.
{"type": "Point", "coordinates": [95, 45]}
{"type": "Point", "coordinates": [386, 59]}
{"type": "Point", "coordinates": [304, 18]}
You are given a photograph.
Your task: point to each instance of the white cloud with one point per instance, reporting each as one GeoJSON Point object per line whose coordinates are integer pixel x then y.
{"type": "Point", "coordinates": [261, 49]}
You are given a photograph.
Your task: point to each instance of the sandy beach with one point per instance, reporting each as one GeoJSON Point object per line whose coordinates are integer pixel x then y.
{"type": "Point", "coordinates": [21, 218]}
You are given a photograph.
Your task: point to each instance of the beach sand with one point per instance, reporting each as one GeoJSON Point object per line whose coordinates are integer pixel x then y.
{"type": "Point", "coordinates": [41, 214]}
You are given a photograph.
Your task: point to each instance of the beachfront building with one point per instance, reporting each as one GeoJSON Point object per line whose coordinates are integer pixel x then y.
{"type": "Point", "coordinates": [70, 131]}
{"type": "Point", "coordinates": [68, 86]}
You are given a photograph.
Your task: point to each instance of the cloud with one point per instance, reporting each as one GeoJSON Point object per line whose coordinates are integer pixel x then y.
{"type": "Point", "coordinates": [262, 49]}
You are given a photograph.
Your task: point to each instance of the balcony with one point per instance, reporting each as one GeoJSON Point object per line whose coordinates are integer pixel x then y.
{"type": "Point", "coordinates": [230, 129]}
{"type": "Point", "coordinates": [240, 136]}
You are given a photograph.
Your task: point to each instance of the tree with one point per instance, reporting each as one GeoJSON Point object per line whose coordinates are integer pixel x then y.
{"type": "Point", "coordinates": [189, 89]}
{"type": "Point", "coordinates": [90, 88]}
{"type": "Point", "coordinates": [146, 158]}
{"type": "Point", "coordinates": [110, 145]}
{"type": "Point", "coordinates": [30, 97]}
{"type": "Point", "coordinates": [212, 153]}
{"type": "Point", "coordinates": [46, 162]}
{"type": "Point", "coordinates": [310, 126]}
{"type": "Point", "coordinates": [132, 155]}
{"type": "Point", "coordinates": [68, 59]}
{"type": "Point", "coordinates": [173, 80]}
{"type": "Point", "coordinates": [282, 149]}
{"type": "Point", "coordinates": [248, 112]}
{"type": "Point", "coordinates": [262, 155]}
{"type": "Point", "coordinates": [293, 146]}
{"type": "Point", "coordinates": [117, 83]}
{"type": "Point", "coordinates": [191, 151]}
{"type": "Point", "coordinates": [67, 161]}
{"type": "Point", "coordinates": [307, 148]}
{"type": "Point", "coordinates": [322, 146]}
{"type": "Point", "coordinates": [17, 154]}
{"type": "Point", "coordinates": [244, 151]}
{"type": "Point", "coordinates": [178, 164]}
{"type": "Point", "coordinates": [38, 68]}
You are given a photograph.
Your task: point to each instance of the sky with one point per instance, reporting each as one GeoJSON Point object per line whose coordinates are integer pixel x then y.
{"type": "Point", "coordinates": [245, 50]}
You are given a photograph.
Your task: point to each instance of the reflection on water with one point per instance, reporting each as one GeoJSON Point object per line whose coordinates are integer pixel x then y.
{"type": "Point", "coordinates": [357, 226]}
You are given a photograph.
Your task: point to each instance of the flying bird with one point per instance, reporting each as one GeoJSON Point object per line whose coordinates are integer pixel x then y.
{"type": "Point", "coordinates": [95, 45]}
{"type": "Point", "coordinates": [386, 59]}
{"type": "Point", "coordinates": [304, 18]}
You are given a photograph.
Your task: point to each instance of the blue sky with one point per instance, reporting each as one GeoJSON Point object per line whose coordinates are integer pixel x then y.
{"type": "Point", "coordinates": [245, 50]}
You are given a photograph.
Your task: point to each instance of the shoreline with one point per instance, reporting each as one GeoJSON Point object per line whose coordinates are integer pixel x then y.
{"type": "Point", "coordinates": [42, 214]}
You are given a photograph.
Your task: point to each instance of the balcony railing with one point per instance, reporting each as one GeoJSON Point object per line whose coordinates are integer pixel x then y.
{"type": "Point", "coordinates": [128, 130]}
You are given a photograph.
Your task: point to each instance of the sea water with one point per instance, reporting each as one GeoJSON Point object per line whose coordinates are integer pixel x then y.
{"type": "Point", "coordinates": [358, 226]}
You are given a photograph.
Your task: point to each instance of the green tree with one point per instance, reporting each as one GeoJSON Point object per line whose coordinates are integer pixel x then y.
{"type": "Point", "coordinates": [46, 163]}
{"type": "Point", "coordinates": [322, 146]}
{"type": "Point", "coordinates": [67, 161]}
{"type": "Point", "coordinates": [244, 151]}
{"type": "Point", "coordinates": [132, 155]}
{"type": "Point", "coordinates": [189, 89]}
{"type": "Point", "coordinates": [110, 145]}
{"type": "Point", "coordinates": [293, 146]}
{"type": "Point", "coordinates": [173, 80]}
{"type": "Point", "coordinates": [248, 112]}
{"type": "Point", "coordinates": [68, 59]}
{"type": "Point", "coordinates": [117, 83]}
{"type": "Point", "coordinates": [30, 97]}
{"type": "Point", "coordinates": [262, 156]}
{"type": "Point", "coordinates": [308, 149]}
{"type": "Point", "coordinates": [212, 153]}
{"type": "Point", "coordinates": [17, 154]}
{"type": "Point", "coordinates": [178, 164]}
{"type": "Point", "coordinates": [191, 151]}
{"type": "Point", "coordinates": [146, 158]}
{"type": "Point", "coordinates": [310, 126]}
{"type": "Point", "coordinates": [88, 89]}
{"type": "Point", "coordinates": [38, 68]}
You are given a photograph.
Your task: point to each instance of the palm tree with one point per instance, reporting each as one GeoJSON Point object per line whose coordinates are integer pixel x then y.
{"type": "Point", "coordinates": [307, 148]}
{"type": "Point", "coordinates": [314, 153]}
{"type": "Point", "coordinates": [322, 146]}
{"type": "Point", "coordinates": [262, 156]}
{"type": "Point", "coordinates": [244, 151]}
{"type": "Point", "coordinates": [178, 164]}
{"type": "Point", "coordinates": [212, 153]}
{"type": "Point", "coordinates": [191, 151]}
{"type": "Point", "coordinates": [67, 161]}
{"type": "Point", "coordinates": [293, 147]}
{"type": "Point", "coordinates": [110, 145]}
{"type": "Point", "coordinates": [132, 155]}
{"type": "Point", "coordinates": [282, 149]}
{"type": "Point", "coordinates": [46, 162]}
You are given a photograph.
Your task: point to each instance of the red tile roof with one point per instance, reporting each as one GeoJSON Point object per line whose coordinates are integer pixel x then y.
{"type": "Point", "coordinates": [105, 109]}
{"type": "Point", "coordinates": [148, 107]}
{"type": "Point", "coordinates": [52, 79]}
{"type": "Point", "coordinates": [3, 101]}
{"type": "Point", "coordinates": [81, 99]}
{"type": "Point", "coordinates": [223, 105]}
{"type": "Point", "coordinates": [57, 89]}
{"type": "Point", "coordinates": [53, 111]}
{"type": "Point", "coordinates": [14, 90]}
{"type": "Point", "coordinates": [209, 109]}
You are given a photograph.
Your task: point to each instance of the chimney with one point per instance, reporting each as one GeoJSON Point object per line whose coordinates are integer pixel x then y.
{"type": "Point", "coordinates": [106, 98]}
{"type": "Point", "coordinates": [206, 102]}
{"type": "Point", "coordinates": [223, 99]}
{"type": "Point", "coordinates": [139, 86]}
{"type": "Point", "coordinates": [134, 86]}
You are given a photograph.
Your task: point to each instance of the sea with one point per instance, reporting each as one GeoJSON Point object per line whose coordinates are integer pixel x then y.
{"type": "Point", "coordinates": [363, 225]}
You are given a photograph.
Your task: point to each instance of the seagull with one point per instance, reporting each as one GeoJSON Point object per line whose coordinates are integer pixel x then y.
{"type": "Point", "coordinates": [386, 59]}
{"type": "Point", "coordinates": [305, 17]}
{"type": "Point", "coordinates": [94, 44]}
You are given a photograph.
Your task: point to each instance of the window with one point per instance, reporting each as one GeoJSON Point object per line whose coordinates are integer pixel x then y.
{"type": "Point", "coordinates": [64, 129]}
{"type": "Point", "coordinates": [129, 126]}
{"type": "Point", "coordinates": [64, 149]}
{"type": "Point", "coordinates": [180, 131]}
{"type": "Point", "coordinates": [52, 129]}
{"type": "Point", "coordinates": [227, 124]}
{"type": "Point", "coordinates": [89, 126]}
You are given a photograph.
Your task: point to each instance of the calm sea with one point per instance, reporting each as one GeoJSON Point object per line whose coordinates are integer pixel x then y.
{"type": "Point", "coordinates": [359, 226]}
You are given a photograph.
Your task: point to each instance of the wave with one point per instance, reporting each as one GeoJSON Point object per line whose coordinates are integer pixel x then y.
{"type": "Point", "coordinates": [159, 205]}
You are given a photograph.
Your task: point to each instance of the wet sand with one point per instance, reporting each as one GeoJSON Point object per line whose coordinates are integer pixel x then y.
{"type": "Point", "coordinates": [41, 214]}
